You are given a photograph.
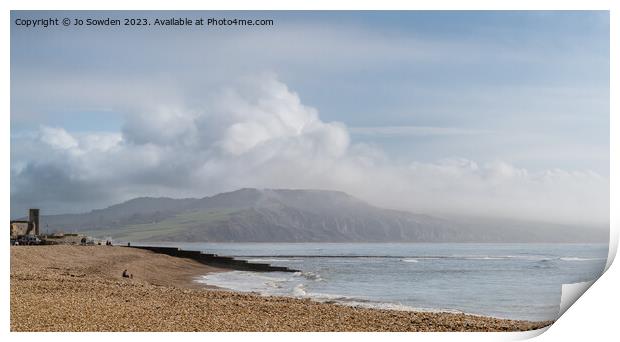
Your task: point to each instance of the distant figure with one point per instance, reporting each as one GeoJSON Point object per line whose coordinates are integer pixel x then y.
{"type": "Point", "coordinates": [128, 244]}
{"type": "Point", "coordinates": [126, 274]}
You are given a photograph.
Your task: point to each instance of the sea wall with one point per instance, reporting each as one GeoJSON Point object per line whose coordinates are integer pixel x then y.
{"type": "Point", "coordinates": [217, 260]}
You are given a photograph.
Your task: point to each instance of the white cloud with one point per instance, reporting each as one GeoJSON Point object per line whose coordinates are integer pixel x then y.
{"type": "Point", "coordinates": [58, 138]}
{"type": "Point", "coordinates": [257, 133]}
{"type": "Point", "coordinates": [412, 131]}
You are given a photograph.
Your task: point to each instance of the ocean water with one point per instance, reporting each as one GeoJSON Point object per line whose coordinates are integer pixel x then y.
{"type": "Point", "coordinates": [516, 281]}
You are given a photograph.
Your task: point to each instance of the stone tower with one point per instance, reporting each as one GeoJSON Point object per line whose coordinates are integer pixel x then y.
{"type": "Point", "coordinates": [33, 218]}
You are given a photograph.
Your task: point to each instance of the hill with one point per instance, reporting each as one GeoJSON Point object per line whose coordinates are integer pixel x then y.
{"type": "Point", "coordinates": [253, 215]}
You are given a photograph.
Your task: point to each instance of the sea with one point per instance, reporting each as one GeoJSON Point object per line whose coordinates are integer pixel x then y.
{"type": "Point", "coordinates": [514, 281]}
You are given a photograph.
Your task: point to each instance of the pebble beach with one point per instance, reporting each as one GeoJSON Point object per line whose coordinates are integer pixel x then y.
{"type": "Point", "coordinates": [81, 288]}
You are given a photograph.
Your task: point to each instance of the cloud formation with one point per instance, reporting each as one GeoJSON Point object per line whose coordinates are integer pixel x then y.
{"type": "Point", "coordinates": [258, 133]}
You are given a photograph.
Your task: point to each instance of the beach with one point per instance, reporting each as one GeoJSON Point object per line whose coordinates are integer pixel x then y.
{"type": "Point", "coordinates": [81, 288]}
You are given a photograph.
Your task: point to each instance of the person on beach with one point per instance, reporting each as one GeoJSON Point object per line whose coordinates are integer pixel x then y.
{"type": "Point", "coordinates": [126, 274]}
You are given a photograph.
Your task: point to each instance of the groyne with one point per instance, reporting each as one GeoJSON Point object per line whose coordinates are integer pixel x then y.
{"type": "Point", "coordinates": [217, 260]}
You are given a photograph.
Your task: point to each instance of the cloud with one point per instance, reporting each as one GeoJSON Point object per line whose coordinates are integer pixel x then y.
{"type": "Point", "coordinates": [390, 131]}
{"type": "Point", "coordinates": [58, 138]}
{"type": "Point", "coordinates": [258, 133]}
{"type": "Point", "coordinates": [482, 98]}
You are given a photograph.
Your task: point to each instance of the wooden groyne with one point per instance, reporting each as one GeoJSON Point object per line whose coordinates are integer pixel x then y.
{"type": "Point", "coordinates": [217, 260]}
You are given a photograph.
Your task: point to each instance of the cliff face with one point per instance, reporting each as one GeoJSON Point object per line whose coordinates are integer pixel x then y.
{"type": "Point", "coordinates": [251, 215]}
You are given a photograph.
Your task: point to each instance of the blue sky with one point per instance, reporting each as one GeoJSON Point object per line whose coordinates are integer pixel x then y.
{"type": "Point", "coordinates": [525, 90]}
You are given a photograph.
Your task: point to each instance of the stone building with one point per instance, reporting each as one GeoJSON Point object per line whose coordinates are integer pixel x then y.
{"type": "Point", "coordinates": [30, 227]}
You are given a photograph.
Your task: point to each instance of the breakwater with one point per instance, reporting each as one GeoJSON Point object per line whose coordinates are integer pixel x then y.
{"type": "Point", "coordinates": [217, 260]}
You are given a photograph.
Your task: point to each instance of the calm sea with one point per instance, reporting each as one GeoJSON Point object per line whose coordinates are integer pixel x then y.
{"type": "Point", "coordinates": [517, 281]}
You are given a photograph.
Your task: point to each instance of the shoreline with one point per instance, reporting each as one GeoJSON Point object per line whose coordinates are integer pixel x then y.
{"type": "Point", "coordinates": [80, 288]}
{"type": "Point", "coordinates": [355, 304]}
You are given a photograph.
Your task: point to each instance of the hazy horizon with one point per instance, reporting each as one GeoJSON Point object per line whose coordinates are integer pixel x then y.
{"type": "Point", "coordinates": [482, 114]}
{"type": "Point", "coordinates": [486, 219]}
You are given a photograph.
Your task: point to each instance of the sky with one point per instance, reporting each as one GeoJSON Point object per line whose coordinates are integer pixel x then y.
{"type": "Point", "coordinates": [499, 114]}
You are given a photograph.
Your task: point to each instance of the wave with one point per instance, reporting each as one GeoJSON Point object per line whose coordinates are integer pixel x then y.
{"type": "Point", "coordinates": [247, 281]}
{"type": "Point", "coordinates": [581, 259]}
{"type": "Point", "coordinates": [397, 307]}
{"type": "Point", "coordinates": [310, 275]}
{"type": "Point", "coordinates": [271, 285]}
{"type": "Point", "coordinates": [272, 260]}
{"type": "Point", "coordinates": [409, 260]}
{"type": "Point", "coordinates": [487, 258]}
{"type": "Point", "coordinates": [372, 304]}
{"type": "Point", "coordinates": [405, 258]}
{"type": "Point", "coordinates": [299, 291]}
